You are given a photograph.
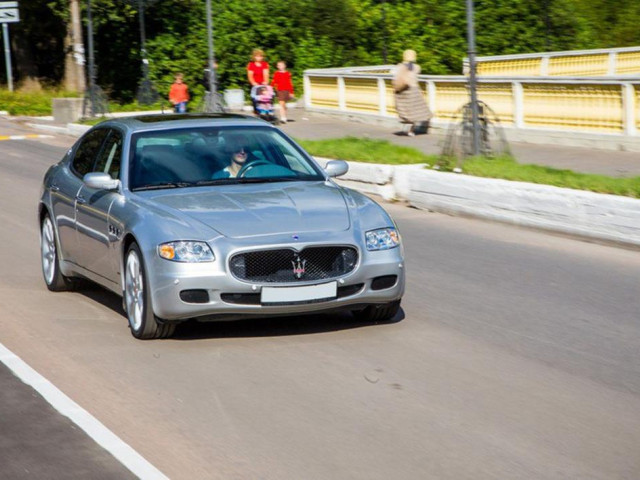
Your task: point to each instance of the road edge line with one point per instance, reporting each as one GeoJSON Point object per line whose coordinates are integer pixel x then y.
{"type": "Point", "coordinates": [104, 437]}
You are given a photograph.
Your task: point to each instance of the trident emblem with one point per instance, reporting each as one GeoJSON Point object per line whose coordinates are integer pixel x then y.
{"type": "Point", "coordinates": [298, 266]}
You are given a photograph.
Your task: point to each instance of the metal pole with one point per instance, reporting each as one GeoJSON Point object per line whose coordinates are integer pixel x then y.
{"type": "Point", "coordinates": [7, 55]}
{"type": "Point", "coordinates": [472, 77]}
{"type": "Point", "coordinates": [212, 70]}
{"type": "Point", "coordinates": [79, 82]}
{"type": "Point", "coordinates": [92, 71]}
{"type": "Point", "coordinates": [384, 31]}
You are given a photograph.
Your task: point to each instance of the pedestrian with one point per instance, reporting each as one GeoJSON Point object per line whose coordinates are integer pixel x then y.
{"type": "Point", "coordinates": [258, 69]}
{"type": "Point", "coordinates": [410, 104]}
{"type": "Point", "coordinates": [179, 94]}
{"type": "Point", "coordinates": [257, 72]}
{"type": "Point", "coordinates": [284, 88]}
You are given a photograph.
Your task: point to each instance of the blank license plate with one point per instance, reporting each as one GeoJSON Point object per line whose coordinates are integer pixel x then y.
{"type": "Point", "coordinates": [299, 294]}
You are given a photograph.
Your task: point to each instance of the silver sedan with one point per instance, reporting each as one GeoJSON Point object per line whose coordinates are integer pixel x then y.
{"type": "Point", "coordinates": [214, 217]}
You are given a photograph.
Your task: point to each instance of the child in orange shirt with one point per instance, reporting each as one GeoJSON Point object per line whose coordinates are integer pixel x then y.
{"type": "Point", "coordinates": [179, 95]}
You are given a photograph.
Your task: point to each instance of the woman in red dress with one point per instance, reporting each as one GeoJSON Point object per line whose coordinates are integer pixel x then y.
{"type": "Point", "coordinates": [257, 71]}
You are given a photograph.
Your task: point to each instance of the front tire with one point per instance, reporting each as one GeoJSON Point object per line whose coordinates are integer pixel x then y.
{"type": "Point", "coordinates": [53, 277]}
{"type": "Point", "coordinates": [378, 313]}
{"type": "Point", "coordinates": [143, 323]}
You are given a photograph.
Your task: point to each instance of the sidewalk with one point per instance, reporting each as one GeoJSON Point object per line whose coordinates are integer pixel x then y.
{"type": "Point", "coordinates": [310, 126]}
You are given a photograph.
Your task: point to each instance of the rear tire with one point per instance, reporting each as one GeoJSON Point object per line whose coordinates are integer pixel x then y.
{"type": "Point", "coordinates": [384, 312]}
{"type": "Point", "coordinates": [143, 323]}
{"type": "Point", "coordinates": [53, 277]}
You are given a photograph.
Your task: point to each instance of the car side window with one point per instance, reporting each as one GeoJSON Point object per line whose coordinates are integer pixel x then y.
{"type": "Point", "coordinates": [86, 153]}
{"type": "Point", "coordinates": [109, 157]}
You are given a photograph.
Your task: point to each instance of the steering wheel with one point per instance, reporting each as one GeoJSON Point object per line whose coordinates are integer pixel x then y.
{"type": "Point", "coordinates": [246, 168]}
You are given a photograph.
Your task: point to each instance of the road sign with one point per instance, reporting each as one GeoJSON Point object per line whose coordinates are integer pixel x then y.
{"type": "Point", "coordinates": [9, 15]}
{"type": "Point", "coordinates": [9, 12]}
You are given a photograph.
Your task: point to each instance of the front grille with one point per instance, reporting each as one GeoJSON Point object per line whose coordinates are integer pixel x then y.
{"type": "Point", "coordinates": [287, 265]}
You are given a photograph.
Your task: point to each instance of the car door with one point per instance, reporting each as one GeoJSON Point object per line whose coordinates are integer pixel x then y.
{"type": "Point", "coordinates": [96, 234]}
{"type": "Point", "coordinates": [65, 188]}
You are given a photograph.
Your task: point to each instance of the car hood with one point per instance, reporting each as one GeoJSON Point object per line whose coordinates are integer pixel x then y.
{"type": "Point", "coordinates": [263, 209]}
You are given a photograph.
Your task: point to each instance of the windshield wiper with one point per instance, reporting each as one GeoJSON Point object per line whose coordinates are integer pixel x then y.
{"type": "Point", "coordinates": [217, 181]}
{"type": "Point", "coordinates": [159, 186]}
{"type": "Point", "coordinates": [266, 179]}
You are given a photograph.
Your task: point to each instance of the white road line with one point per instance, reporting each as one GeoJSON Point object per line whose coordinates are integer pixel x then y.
{"type": "Point", "coordinates": [78, 415]}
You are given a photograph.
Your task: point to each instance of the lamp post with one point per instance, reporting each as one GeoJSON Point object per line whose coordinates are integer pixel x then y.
{"type": "Point", "coordinates": [384, 31]}
{"type": "Point", "coordinates": [471, 39]}
{"type": "Point", "coordinates": [212, 59]}
{"type": "Point", "coordinates": [146, 93]}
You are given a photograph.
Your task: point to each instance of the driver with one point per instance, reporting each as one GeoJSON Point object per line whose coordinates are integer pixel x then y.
{"type": "Point", "coordinates": [238, 154]}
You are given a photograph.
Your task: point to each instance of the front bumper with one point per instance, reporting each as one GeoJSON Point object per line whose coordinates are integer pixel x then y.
{"type": "Point", "coordinates": [229, 298]}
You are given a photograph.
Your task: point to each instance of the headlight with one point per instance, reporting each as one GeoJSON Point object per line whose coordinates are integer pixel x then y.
{"type": "Point", "coordinates": [191, 252]}
{"type": "Point", "coordinates": [382, 239]}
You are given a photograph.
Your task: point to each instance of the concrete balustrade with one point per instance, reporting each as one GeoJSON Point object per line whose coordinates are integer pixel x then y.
{"type": "Point", "coordinates": [602, 105]}
{"type": "Point", "coordinates": [582, 63]}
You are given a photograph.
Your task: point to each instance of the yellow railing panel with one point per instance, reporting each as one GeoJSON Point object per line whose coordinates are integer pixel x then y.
{"type": "Point", "coordinates": [520, 67]}
{"type": "Point", "coordinates": [579, 65]}
{"type": "Point", "coordinates": [324, 92]}
{"type": "Point", "coordinates": [577, 107]}
{"type": "Point", "coordinates": [499, 97]}
{"type": "Point", "coordinates": [637, 100]}
{"type": "Point", "coordinates": [627, 62]}
{"type": "Point", "coordinates": [391, 98]}
{"type": "Point", "coordinates": [450, 97]}
{"type": "Point", "coordinates": [361, 95]}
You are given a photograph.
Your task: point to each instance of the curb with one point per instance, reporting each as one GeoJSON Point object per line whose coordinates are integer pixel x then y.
{"type": "Point", "coordinates": [588, 215]}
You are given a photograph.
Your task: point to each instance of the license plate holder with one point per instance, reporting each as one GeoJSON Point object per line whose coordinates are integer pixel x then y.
{"type": "Point", "coordinates": [299, 294]}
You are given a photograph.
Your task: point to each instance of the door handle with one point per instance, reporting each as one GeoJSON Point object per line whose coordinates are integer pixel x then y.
{"type": "Point", "coordinates": [80, 199]}
{"type": "Point", "coordinates": [55, 188]}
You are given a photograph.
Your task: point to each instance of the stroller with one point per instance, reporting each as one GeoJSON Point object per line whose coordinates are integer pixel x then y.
{"type": "Point", "coordinates": [262, 96]}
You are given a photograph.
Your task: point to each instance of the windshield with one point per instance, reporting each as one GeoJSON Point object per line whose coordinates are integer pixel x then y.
{"type": "Point", "coordinates": [212, 156]}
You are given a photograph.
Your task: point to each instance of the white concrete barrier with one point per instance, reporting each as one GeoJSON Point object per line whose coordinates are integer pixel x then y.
{"type": "Point", "coordinates": [575, 212]}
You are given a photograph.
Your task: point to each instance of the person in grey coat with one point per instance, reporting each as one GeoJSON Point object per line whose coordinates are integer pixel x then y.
{"type": "Point", "coordinates": [410, 103]}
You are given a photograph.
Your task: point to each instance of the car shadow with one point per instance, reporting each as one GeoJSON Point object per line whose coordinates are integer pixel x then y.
{"type": "Point", "coordinates": [100, 295]}
{"type": "Point", "coordinates": [275, 326]}
{"type": "Point", "coordinates": [291, 325]}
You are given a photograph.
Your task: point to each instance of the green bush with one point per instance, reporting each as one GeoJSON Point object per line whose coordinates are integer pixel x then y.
{"type": "Point", "coordinates": [30, 103]}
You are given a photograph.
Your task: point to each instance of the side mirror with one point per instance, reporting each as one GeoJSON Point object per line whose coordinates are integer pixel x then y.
{"type": "Point", "coordinates": [100, 181]}
{"type": "Point", "coordinates": [335, 168]}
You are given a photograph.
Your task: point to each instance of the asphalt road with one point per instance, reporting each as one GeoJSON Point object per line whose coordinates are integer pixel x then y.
{"type": "Point", "coordinates": [517, 356]}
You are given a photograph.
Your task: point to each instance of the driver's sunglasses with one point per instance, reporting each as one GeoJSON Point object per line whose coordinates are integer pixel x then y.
{"type": "Point", "coordinates": [242, 151]}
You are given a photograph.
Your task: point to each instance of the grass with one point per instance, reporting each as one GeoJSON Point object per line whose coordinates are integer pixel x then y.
{"type": "Point", "coordinates": [40, 103]}
{"type": "Point", "coordinates": [507, 168]}
{"type": "Point", "coordinates": [382, 151]}
{"type": "Point", "coordinates": [365, 150]}
{"type": "Point", "coordinates": [30, 103]}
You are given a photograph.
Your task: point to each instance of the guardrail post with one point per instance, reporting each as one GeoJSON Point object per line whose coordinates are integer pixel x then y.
{"type": "Point", "coordinates": [518, 104]}
{"type": "Point", "coordinates": [342, 98]}
{"type": "Point", "coordinates": [544, 66]}
{"type": "Point", "coordinates": [307, 91]}
{"type": "Point", "coordinates": [382, 97]}
{"type": "Point", "coordinates": [431, 95]}
{"type": "Point", "coordinates": [613, 57]}
{"type": "Point", "coordinates": [629, 109]}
